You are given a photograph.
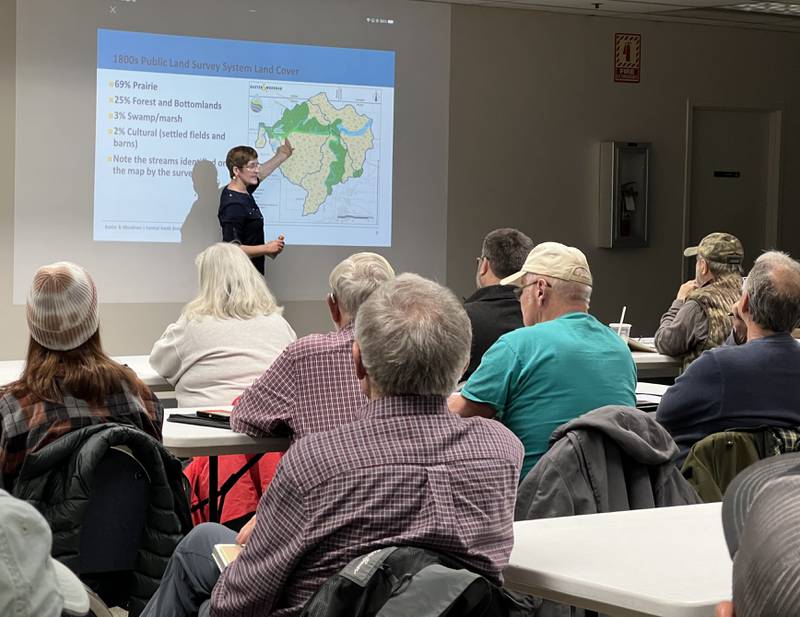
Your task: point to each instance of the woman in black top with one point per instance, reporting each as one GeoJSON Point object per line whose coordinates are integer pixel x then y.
{"type": "Point", "coordinates": [239, 215]}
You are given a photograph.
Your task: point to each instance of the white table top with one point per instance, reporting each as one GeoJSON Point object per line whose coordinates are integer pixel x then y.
{"type": "Point", "coordinates": [650, 392]}
{"type": "Point", "coordinates": [667, 562]}
{"type": "Point", "coordinates": [649, 365]}
{"type": "Point", "coordinates": [10, 370]}
{"type": "Point", "coordinates": [652, 365]}
{"type": "Point", "coordinates": [186, 440]}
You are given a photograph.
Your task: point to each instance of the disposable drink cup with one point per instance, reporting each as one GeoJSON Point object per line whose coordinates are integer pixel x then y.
{"type": "Point", "coordinates": [624, 330]}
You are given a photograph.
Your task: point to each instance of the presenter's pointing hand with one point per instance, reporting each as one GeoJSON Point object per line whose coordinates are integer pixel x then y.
{"type": "Point", "coordinates": [286, 149]}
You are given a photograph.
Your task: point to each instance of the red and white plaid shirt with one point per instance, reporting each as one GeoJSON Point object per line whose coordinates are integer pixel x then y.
{"type": "Point", "coordinates": [311, 387]}
{"type": "Point", "coordinates": [28, 424]}
{"type": "Point", "coordinates": [406, 472]}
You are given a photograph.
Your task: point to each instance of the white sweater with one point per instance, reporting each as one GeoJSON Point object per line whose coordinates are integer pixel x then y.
{"type": "Point", "coordinates": [211, 361]}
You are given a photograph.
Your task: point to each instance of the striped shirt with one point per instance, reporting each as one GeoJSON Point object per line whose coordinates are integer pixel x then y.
{"type": "Point", "coordinates": [311, 387]}
{"type": "Point", "coordinates": [405, 472]}
{"type": "Point", "coordinates": [28, 424]}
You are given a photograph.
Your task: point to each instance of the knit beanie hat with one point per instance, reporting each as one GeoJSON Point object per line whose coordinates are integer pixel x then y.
{"type": "Point", "coordinates": [62, 306]}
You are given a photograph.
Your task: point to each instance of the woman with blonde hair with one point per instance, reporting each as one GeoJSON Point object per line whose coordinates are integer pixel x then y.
{"type": "Point", "coordinates": [227, 336]}
{"type": "Point", "coordinates": [223, 341]}
{"type": "Point", "coordinates": [68, 381]}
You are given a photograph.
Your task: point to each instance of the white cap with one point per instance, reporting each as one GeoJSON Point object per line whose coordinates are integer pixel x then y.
{"type": "Point", "coordinates": [32, 583]}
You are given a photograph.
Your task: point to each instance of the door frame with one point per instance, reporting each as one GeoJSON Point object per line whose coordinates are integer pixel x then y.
{"type": "Point", "coordinates": [774, 161]}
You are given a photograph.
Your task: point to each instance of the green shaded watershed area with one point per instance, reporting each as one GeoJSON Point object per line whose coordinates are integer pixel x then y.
{"type": "Point", "coordinates": [296, 120]}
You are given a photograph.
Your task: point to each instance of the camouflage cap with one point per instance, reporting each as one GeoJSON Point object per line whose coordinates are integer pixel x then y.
{"type": "Point", "coordinates": [720, 247]}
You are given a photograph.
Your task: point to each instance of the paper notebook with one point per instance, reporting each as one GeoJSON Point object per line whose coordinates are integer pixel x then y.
{"type": "Point", "coordinates": [224, 554]}
{"type": "Point", "coordinates": [635, 345]}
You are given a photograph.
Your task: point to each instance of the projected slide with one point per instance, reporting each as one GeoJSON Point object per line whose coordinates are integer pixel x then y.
{"type": "Point", "coordinates": [170, 107]}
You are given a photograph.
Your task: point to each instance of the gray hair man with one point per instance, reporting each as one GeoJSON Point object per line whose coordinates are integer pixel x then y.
{"type": "Point", "coordinates": [699, 317]}
{"type": "Point", "coordinates": [493, 309]}
{"type": "Point", "coordinates": [389, 477]}
{"type": "Point", "coordinates": [535, 379]}
{"type": "Point", "coordinates": [750, 385]}
{"type": "Point", "coordinates": [312, 386]}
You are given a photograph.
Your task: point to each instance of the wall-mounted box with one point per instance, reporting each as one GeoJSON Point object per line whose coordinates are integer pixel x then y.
{"type": "Point", "coordinates": [622, 194]}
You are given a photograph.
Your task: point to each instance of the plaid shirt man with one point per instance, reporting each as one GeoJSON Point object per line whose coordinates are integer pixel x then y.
{"type": "Point", "coordinates": [28, 424]}
{"type": "Point", "coordinates": [406, 471]}
{"type": "Point", "coordinates": [311, 387]}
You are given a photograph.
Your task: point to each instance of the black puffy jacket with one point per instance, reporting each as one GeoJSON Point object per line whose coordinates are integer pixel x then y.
{"type": "Point", "coordinates": [57, 480]}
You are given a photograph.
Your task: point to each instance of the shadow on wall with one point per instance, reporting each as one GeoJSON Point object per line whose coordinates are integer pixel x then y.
{"type": "Point", "coordinates": [201, 228]}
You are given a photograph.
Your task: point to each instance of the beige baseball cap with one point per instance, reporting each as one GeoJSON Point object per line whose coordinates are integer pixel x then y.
{"type": "Point", "coordinates": [557, 260]}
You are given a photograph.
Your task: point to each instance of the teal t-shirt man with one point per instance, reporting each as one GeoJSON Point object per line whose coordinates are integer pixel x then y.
{"type": "Point", "coordinates": [563, 364]}
{"type": "Point", "coordinates": [539, 377]}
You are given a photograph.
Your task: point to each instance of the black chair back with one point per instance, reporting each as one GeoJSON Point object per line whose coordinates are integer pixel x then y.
{"type": "Point", "coordinates": [112, 529]}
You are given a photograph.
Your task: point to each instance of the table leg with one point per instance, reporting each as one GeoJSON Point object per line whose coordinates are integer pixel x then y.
{"type": "Point", "coordinates": [213, 515]}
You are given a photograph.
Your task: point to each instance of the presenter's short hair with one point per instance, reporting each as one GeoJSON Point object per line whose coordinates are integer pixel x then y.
{"type": "Point", "coordinates": [355, 278]}
{"type": "Point", "coordinates": [239, 157]}
{"type": "Point", "coordinates": [414, 337]}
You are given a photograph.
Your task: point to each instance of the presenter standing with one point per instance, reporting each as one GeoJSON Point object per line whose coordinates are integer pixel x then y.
{"type": "Point", "coordinates": [239, 216]}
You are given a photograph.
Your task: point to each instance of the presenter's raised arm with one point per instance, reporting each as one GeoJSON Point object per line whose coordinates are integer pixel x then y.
{"type": "Point", "coordinates": [267, 167]}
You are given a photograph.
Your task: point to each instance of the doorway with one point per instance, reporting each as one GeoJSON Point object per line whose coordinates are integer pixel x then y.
{"type": "Point", "coordinates": [733, 177]}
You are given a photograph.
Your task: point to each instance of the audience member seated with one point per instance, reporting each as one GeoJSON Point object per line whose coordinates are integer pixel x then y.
{"type": "Point", "coordinates": [750, 385]}
{"type": "Point", "coordinates": [404, 472]}
{"type": "Point", "coordinates": [494, 310]}
{"type": "Point", "coordinates": [32, 583]}
{"type": "Point", "coordinates": [68, 382]}
{"type": "Point", "coordinates": [699, 317]}
{"type": "Point", "coordinates": [226, 337]}
{"type": "Point", "coordinates": [223, 341]}
{"type": "Point", "coordinates": [312, 386]}
{"type": "Point", "coordinates": [762, 529]}
{"type": "Point", "coordinates": [562, 365]}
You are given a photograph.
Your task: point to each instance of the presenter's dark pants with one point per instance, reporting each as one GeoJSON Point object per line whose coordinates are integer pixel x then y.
{"type": "Point", "coordinates": [191, 574]}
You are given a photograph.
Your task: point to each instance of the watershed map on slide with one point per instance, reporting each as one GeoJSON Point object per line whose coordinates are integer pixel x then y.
{"type": "Point", "coordinates": [331, 141]}
{"type": "Point", "coordinates": [170, 107]}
